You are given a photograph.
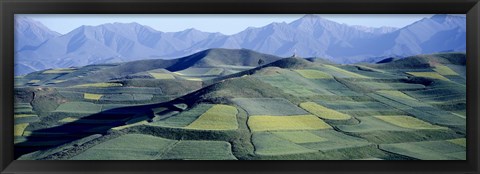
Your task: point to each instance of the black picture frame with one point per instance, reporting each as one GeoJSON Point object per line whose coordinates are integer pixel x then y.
{"type": "Point", "coordinates": [10, 7]}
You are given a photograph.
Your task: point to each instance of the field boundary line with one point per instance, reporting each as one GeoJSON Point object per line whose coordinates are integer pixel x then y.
{"type": "Point", "coordinates": [166, 150]}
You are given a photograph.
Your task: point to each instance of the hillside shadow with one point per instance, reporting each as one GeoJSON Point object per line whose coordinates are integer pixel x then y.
{"type": "Point", "coordinates": [86, 126]}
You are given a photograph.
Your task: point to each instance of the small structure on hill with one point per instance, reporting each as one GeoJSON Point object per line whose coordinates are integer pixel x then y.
{"type": "Point", "coordinates": [295, 54]}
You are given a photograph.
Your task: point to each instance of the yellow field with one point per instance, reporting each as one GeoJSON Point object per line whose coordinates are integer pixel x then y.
{"type": "Point", "coordinates": [19, 128]}
{"type": "Point", "coordinates": [396, 94]}
{"type": "Point", "coordinates": [313, 74]}
{"type": "Point", "coordinates": [408, 122]}
{"type": "Point", "coordinates": [33, 81]}
{"type": "Point", "coordinates": [60, 70]}
{"type": "Point", "coordinates": [345, 72]}
{"type": "Point", "coordinates": [299, 136]}
{"type": "Point", "coordinates": [193, 79]}
{"type": "Point", "coordinates": [324, 112]}
{"type": "Point", "coordinates": [23, 115]}
{"type": "Point", "coordinates": [68, 120]}
{"type": "Point", "coordinates": [162, 76]}
{"type": "Point", "coordinates": [459, 141]}
{"type": "Point", "coordinates": [92, 96]}
{"type": "Point", "coordinates": [219, 117]}
{"type": "Point", "coordinates": [99, 85]}
{"type": "Point", "coordinates": [178, 73]}
{"type": "Point", "coordinates": [215, 71]}
{"type": "Point", "coordinates": [432, 75]}
{"type": "Point", "coordinates": [444, 70]}
{"type": "Point", "coordinates": [297, 122]}
{"type": "Point", "coordinates": [58, 81]}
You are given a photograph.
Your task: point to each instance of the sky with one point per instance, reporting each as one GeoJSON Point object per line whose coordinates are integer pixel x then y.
{"type": "Point", "coordinates": [224, 23]}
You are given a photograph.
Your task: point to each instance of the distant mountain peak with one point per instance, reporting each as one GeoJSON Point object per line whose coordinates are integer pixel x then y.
{"type": "Point", "coordinates": [190, 30]}
{"type": "Point", "coordinates": [313, 16]}
{"type": "Point", "coordinates": [381, 30]}
{"type": "Point", "coordinates": [30, 33]}
{"type": "Point", "coordinates": [442, 18]}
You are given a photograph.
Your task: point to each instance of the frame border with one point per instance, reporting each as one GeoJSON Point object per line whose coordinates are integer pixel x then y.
{"type": "Point", "coordinates": [10, 7]}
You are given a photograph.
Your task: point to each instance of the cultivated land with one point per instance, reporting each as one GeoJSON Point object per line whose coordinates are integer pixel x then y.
{"type": "Point", "coordinates": [224, 104]}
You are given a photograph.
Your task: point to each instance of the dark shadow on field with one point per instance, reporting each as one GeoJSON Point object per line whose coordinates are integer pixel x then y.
{"type": "Point", "coordinates": [84, 127]}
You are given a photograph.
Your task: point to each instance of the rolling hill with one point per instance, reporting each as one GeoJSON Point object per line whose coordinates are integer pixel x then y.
{"type": "Point", "coordinates": [222, 104]}
{"type": "Point", "coordinates": [227, 61]}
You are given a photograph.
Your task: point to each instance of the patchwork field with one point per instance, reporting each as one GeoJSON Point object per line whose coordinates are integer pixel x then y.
{"type": "Point", "coordinates": [324, 112]}
{"type": "Point", "coordinates": [428, 150]}
{"type": "Point", "coordinates": [268, 106]}
{"type": "Point", "coordinates": [313, 74]}
{"type": "Point", "coordinates": [219, 117]}
{"type": "Point", "coordinates": [294, 122]}
{"type": "Point", "coordinates": [200, 150]}
{"type": "Point", "coordinates": [231, 106]}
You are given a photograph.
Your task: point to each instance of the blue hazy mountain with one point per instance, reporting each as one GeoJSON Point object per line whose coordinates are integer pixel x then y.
{"type": "Point", "coordinates": [310, 36]}
{"type": "Point", "coordinates": [30, 33]}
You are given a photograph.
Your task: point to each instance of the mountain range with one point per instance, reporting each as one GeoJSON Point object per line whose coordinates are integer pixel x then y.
{"type": "Point", "coordinates": [38, 47]}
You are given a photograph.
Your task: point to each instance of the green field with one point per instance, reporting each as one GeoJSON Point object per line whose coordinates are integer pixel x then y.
{"type": "Point", "coordinates": [353, 105]}
{"type": "Point", "coordinates": [432, 75]}
{"type": "Point", "coordinates": [200, 150]}
{"type": "Point", "coordinates": [128, 147]}
{"type": "Point", "coordinates": [97, 85]}
{"type": "Point", "coordinates": [162, 76]}
{"type": "Point", "coordinates": [370, 124]}
{"type": "Point", "coordinates": [428, 150]}
{"type": "Point", "coordinates": [299, 136]}
{"type": "Point", "coordinates": [313, 74]}
{"type": "Point", "coordinates": [328, 142]}
{"type": "Point", "coordinates": [389, 86]}
{"type": "Point", "coordinates": [267, 143]}
{"type": "Point", "coordinates": [335, 141]}
{"type": "Point", "coordinates": [79, 107]}
{"type": "Point", "coordinates": [294, 84]}
{"type": "Point", "coordinates": [268, 106]}
{"type": "Point", "coordinates": [172, 119]}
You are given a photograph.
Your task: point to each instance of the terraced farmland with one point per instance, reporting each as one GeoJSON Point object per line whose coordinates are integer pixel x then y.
{"type": "Point", "coordinates": [230, 105]}
{"type": "Point", "coordinates": [313, 74]}
{"type": "Point", "coordinates": [324, 112]}
{"type": "Point", "coordinates": [268, 106]}
{"type": "Point", "coordinates": [432, 75]}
